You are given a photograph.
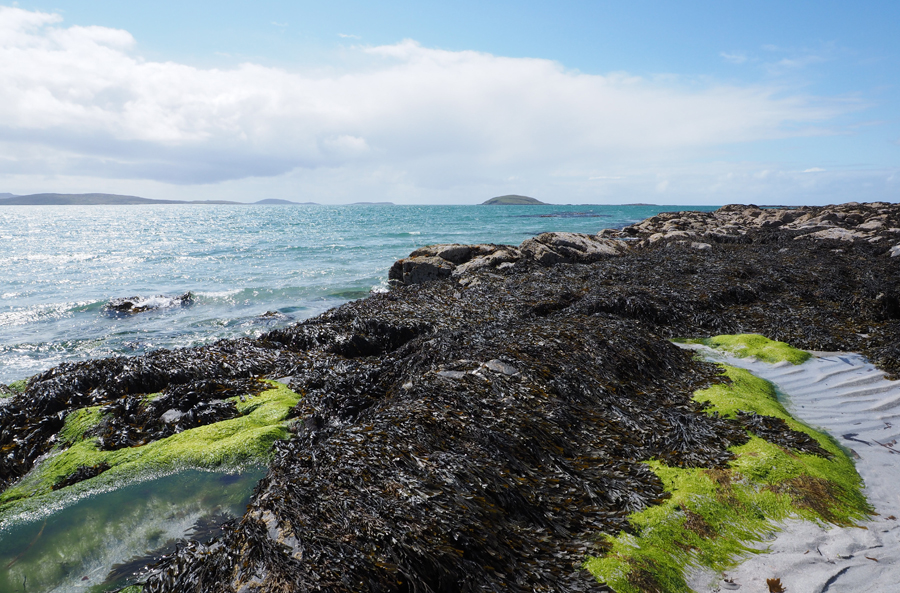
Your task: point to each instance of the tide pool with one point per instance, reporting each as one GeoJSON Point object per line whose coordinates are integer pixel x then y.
{"type": "Point", "coordinates": [99, 542]}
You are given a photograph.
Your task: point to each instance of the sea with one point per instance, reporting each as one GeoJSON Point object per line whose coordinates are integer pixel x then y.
{"type": "Point", "coordinates": [248, 268]}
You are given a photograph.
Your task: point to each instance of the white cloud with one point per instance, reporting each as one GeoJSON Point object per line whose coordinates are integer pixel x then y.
{"type": "Point", "coordinates": [813, 170]}
{"type": "Point", "coordinates": [80, 102]}
{"type": "Point", "coordinates": [734, 57]}
{"type": "Point", "coordinates": [348, 36]}
{"type": "Point", "coordinates": [798, 62]}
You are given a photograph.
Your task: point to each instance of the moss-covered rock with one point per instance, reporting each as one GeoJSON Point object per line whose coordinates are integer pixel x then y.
{"type": "Point", "coordinates": [713, 514]}
{"type": "Point", "coordinates": [229, 443]}
{"type": "Point", "coordinates": [755, 345]}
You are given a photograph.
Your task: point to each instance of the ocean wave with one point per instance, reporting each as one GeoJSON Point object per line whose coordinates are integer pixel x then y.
{"type": "Point", "coordinates": [38, 313]}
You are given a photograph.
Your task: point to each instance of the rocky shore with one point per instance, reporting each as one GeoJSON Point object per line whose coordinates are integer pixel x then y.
{"type": "Point", "coordinates": [481, 425]}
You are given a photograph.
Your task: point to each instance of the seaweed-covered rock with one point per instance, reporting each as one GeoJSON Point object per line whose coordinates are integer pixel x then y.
{"type": "Point", "coordinates": [420, 466]}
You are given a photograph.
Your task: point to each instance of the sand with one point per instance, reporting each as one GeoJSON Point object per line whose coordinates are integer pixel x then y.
{"type": "Point", "coordinates": [850, 399]}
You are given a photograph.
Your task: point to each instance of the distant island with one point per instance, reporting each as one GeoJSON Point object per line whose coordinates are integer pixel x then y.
{"type": "Point", "coordinates": [513, 200]}
{"type": "Point", "coordinates": [112, 200]}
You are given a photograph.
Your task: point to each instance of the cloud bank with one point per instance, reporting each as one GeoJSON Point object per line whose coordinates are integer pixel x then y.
{"type": "Point", "coordinates": [81, 101]}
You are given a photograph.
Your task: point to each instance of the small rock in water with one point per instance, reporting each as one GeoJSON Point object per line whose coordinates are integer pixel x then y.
{"type": "Point", "coordinates": [137, 304]}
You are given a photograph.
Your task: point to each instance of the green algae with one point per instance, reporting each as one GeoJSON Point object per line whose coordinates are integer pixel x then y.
{"type": "Point", "coordinates": [755, 345]}
{"type": "Point", "coordinates": [18, 386]}
{"type": "Point", "coordinates": [713, 515]}
{"type": "Point", "coordinates": [78, 423]}
{"type": "Point", "coordinates": [229, 443]}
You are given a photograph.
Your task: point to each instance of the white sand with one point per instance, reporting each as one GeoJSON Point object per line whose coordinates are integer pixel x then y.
{"type": "Point", "coordinates": [850, 399]}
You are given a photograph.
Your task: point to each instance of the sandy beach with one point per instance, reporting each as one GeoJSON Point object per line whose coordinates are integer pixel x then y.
{"type": "Point", "coordinates": [845, 396]}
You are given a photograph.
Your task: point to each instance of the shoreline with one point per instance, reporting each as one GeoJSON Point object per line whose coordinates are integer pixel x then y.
{"type": "Point", "coordinates": [504, 410]}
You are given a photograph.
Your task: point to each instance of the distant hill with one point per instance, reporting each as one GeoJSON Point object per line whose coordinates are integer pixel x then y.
{"type": "Point", "coordinates": [276, 201]}
{"type": "Point", "coordinates": [92, 200]}
{"type": "Point", "coordinates": [2, 196]}
{"type": "Point", "coordinates": [77, 199]}
{"type": "Point", "coordinates": [513, 200]}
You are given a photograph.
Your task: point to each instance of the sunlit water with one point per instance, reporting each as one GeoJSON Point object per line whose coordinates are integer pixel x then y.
{"type": "Point", "coordinates": [102, 542]}
{"type": "Point", "coordinates": [60, 265]}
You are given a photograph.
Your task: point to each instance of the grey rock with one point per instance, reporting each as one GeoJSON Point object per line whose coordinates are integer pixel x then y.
{"type": "Point", "coordinates": [498, 366]}
{"type": "Point", "coordinates": [451, 374]}
{"type": "Point", "coordinates": [420, 269]}
{"type": "Point", "coordinates": [171, 416]}
{"type": "Point", "coordinates": [834, 233]}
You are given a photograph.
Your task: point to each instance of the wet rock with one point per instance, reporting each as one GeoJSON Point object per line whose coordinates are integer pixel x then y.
{"type": "Point", "coordinates": [79, 475]}
{"type": "Point", "coordinates": [136, 304]}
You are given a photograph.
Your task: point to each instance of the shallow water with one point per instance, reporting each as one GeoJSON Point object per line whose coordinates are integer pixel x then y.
{"type": "Point", "coordinates": [60, 265]}
{"type": "Point", "coordinates": [97, 543]}
{"type": "Point", "coordinates": [846, 396]}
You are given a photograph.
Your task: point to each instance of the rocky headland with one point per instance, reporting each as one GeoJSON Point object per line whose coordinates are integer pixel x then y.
{"type": "Point", "coordinates": [482, 425]}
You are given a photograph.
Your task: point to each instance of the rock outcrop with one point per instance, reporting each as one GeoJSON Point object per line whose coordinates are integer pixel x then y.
{"type": "Point", "coordinates": [436, 262]}
{"type": "Point", "coordinates": [877, 222]}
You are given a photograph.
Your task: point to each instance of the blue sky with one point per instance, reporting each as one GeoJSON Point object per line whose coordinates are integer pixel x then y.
{"type": "Point", "coordinates": [424, 102]}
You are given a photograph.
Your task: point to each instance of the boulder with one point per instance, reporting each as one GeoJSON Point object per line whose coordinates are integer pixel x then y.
{"type": "Point", "coordinates": [420, 269]}
{"type": "Point", "coordinates": [541, 253]}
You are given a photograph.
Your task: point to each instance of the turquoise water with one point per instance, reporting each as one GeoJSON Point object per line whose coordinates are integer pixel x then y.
{"type": "Point", "coordinates": [59, 266]}
{"type": "Point", "coordinates": [98, 543]}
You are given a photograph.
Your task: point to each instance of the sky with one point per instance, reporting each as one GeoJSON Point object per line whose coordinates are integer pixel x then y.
{"type": "Point", "coordinates": [593, 102]}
